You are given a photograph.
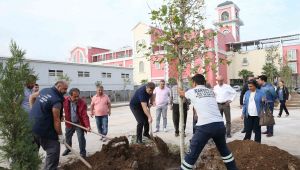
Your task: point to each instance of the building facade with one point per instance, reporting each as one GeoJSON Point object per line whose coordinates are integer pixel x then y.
{"type": "Point", "coordinates": [226, 45]}
{"type": "Point", "coordinates": [251, 55]}
{"type": "Point", "coordinates": [101, 56]}
{"type": "Point", "coordinates": [83, 76]}
{"type": "Point", "coordinates": [227, 29]}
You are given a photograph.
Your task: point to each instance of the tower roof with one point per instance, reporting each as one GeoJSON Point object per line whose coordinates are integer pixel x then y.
{"type": "Point", "coordinates": [225, 3]}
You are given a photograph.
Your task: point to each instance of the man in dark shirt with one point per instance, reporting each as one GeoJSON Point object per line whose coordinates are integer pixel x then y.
{"type": "Point", "coordinates": [139, 105]}
{"type": "Point", "coordinates": [47, 106]}
{"type": "Point", "coordinates": [244, 90]}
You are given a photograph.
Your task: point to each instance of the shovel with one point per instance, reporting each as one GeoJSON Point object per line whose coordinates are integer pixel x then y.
{"type": "Point", "coordinates": [86, 129]}
{"type": "Point", "coordinates": [159, 143]}
{"type": "Point", "coordinates": [78, 156]}
{"type": "Point", "coordinates": [151, 132]}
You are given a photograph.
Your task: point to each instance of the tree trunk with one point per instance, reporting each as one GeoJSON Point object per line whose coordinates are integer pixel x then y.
{"type": "Point", "coordinates": [181, 113]}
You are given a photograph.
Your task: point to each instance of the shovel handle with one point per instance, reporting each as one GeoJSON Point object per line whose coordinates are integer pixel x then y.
{"type": "Point", "coordinates": [151, 132]}
{"type": "Point", "coordinates": [78, 156]}
{"type": "Point", "coordinates": [84, 128]}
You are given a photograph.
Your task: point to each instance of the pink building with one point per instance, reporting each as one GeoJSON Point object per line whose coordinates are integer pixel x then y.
{"type": "Point", "coordinates": [228, 26]}
{"type": "Point", "coordinates": [120, 58]}
{"type": "Point", "coordinates": [84, 54]}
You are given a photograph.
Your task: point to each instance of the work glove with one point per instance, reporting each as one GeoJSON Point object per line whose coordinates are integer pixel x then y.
{"type": "Point", "coordinates": [61, 139]}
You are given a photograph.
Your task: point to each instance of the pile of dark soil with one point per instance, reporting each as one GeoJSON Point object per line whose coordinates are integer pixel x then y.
{"type": "Point", "coordinates": [118, 154]}
{"type": "Point", "coordinates": [250, 155]}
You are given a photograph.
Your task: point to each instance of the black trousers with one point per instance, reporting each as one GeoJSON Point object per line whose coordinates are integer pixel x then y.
{"type": "Point", "coordinates": [252, 124]}
{"type": "Point", "coordinates": [176, 116]}
{"type": "Point", "coordinates": [283, 106]}
{"type": "Point", "coordinates": [142, 122]}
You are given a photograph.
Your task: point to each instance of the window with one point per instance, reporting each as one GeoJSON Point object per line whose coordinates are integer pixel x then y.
{"type": "Point", "coordinates": [108, 75]}
{"type": "Point", "coordinates": [293, 66]}
{"type": "Point", "coordinates": [122, 75]}
{"type": "Point", "coordinates": [225, 16]}
{"type": "Point", "coordinates": [86, 74]}
{"type": "Point", "coordinates": [157, 65]}
{"type": "Point", "coordinates": [51, 72]}
{"type": "Point", "coordinates": [81, 58]}
{"type": "Point", "coordinates": [292, 55]}
{"type": "Point", "coordinates": [59, 73]}
{"type": "Point", "coordinates": [130, 65]}
{"type": "Point", "coordinates": [225, 32]}
{"type": "Point", "coordinates": [141, 67]}
{"type": "Point", "coordinates": [245, 61]}
{"type": "Point", "coordinates": [80, 73]}
{"type": "Point", "coordinates": [103, 75]}
{"type": "Point", "coordinates": [95, 58]}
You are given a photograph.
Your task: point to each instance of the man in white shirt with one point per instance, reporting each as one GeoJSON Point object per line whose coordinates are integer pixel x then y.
{"type": "Point", "coordinates": [162, 94]}
{"type": "Point", "coordinates": [209, 125]}
{"type": "Point", "coordinates": [225, 94]}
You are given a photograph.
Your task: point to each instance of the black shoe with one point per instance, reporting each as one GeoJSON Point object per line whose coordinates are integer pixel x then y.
{"type": "Point", "coordinates": [176, 134]}
{"type": "Point", "coordinates": [243, 131]}
{"type": "Point", "coordinates": [287, 115]}
{"type": "Point", "coordinates": [83, 156]}
{"type": "Point", "coordinates": [269, 135]}
{"type": "Point", "coordinates": [264, 132]}
{"type": "Point", "coordinates": [66, 152]}
{"type": "Point", "coordinates": [139, 142]}
{"type": "Point", "coordinates": [279, 116]}
{"type": "Point", "coordinates": [228, 135]}
{"type": "Point", "coordinates": [148, 136]}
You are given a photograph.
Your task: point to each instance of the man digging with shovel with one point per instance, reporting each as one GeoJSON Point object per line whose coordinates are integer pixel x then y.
{"type": "Point", "coordinates": [210, 124]}
{"type": "Point", "coordinates": [47, 114]}
{"type": "Point", "coordinates": [76, 112]}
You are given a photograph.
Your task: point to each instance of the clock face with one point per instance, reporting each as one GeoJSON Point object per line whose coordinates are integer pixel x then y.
{"type": "Point", "coordinates": [140, 45]}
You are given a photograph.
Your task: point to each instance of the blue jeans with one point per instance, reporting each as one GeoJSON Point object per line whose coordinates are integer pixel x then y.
{"type": "Point", "coordinates": [102, 124]}
{"type": "Point", "coordinates": [270, 129]}
{"type": "Point", "coordinates": [161, 110]}
{"type": "Point", "coordinates": [80, 137]}
{"type": "Point", "coordinates": [203, 133]}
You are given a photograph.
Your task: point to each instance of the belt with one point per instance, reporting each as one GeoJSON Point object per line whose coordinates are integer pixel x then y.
{"type": "Point", "coordinates": [222, 103]}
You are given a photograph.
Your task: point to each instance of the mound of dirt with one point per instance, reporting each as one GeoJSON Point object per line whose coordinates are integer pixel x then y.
{"type": "Point", "coordinates": [250, 155]}
{"type": "Point", "coordinates": [118, 154]}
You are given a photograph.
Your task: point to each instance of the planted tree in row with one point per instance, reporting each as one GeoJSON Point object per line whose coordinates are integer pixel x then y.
{"type": "Point", "coordinates": [180, 32]}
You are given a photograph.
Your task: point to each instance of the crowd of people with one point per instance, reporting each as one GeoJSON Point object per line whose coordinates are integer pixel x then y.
{"type": "Point", "coordinates": [49, 107]}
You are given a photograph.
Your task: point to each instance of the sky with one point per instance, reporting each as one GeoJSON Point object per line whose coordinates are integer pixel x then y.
{"type": "Point", "coordinates": [50, 29]}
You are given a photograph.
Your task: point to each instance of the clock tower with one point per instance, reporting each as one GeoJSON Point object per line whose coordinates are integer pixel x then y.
{"type": "Point", "coordinates": [229, 21]}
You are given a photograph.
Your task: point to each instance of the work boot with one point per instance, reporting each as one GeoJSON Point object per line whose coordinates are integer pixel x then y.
{"type": "Point", "coordinates": [66, 152]}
